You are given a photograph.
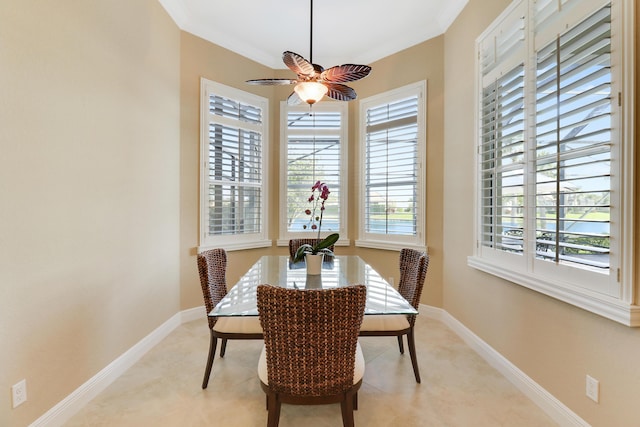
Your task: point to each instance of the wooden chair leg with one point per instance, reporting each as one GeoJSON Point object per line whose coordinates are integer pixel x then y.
{"type": "Point", "coordinates": [223, 347]}
{"type": "Point", "coordinates": [355, 401]}
{"type": "Point", "coordinates": [213, 343]}
{"type": "Point", "coordinates": [347, 410]}
{"type": "Point", "coordinates": [273, 403]}
{"type": "Point", "coordinates": [412, 351]}
{"type": "Point", "coordinates": [400, 344]}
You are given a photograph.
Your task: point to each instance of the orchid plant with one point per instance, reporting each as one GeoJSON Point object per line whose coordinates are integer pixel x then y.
{"type": "Point", "coordinates": [319, 195]}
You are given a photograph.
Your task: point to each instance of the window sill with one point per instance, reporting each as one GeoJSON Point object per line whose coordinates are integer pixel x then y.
{"type": "Point", "coordinates": [238, 246]}
{"type": "Point", "coordinates": [389, 246]}
{"type": "Point", "coordinates": [608, 307]}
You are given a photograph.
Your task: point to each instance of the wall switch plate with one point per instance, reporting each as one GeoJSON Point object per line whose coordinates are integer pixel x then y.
{"type": "Point", "coordinates": [593, 388]}
{"type": "Point", "coordinates": [19, 393]}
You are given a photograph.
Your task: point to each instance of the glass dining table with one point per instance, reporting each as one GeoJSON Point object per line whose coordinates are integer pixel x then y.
{"type": "Point", "coordinates": [382, 298]}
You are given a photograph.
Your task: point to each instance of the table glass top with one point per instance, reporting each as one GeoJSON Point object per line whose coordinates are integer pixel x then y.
{"type": "Point", "coordinates": [382, 298]}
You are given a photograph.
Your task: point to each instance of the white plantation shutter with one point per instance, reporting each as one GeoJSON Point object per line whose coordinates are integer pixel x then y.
{"type": "Point", "coordinates": [392, 167]}
{"type": "Point", "coordinates": [544, 11]}
{"type": "Point", "coordinates": [392, 179]}
{"type": "Point", "coordinates": [503, 46]}
{"type": "Point", "coordinates": [502, 133]}
{"type": "Point", "coordinates": [233, 139]}
{"type": "Point", "coordinates": [573, 145]}
{"type": "Point", "coordinates": [552, 17]}
{"type": "Point", "coordinates": [502, 162]}
{"type": "Point", "coordinates": [314, 150]}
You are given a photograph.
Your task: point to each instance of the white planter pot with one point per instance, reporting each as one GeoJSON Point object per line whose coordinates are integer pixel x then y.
{"type": "Point", "coordinates": [314, 263]}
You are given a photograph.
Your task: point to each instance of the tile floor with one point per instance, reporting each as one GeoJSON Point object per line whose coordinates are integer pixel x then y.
{"type": "Point", "coordinates": [458, 388]}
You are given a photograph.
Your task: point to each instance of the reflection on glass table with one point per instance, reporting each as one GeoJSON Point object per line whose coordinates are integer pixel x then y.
{"type": "Point", "coordinates": [382, 298]}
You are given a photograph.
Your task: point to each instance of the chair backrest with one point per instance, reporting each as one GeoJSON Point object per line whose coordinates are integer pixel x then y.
{"type": "Point", "coordinates": [212, 268]}
{"type": "Point", "coordinates": [311, 337]}
{"type": "Point", "coordinates": [294, 244]}
{"type": "Point", "coordinates": [413, 270]}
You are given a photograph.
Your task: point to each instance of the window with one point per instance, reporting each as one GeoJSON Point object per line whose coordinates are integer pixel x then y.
{"type": "Point", "coordinates": [233, 177]}
{"type": "Point", "coordinates": [393, 201]}
{"type": "Point", "coordinates": [313, 149]}
{"type": "Point", "coordinates": [554, 165]}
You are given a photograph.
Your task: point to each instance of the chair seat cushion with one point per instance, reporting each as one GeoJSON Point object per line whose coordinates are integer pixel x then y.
{"type": "Point", "coordinates": [238, 325]}
{"type": "Point", "coordinates": [358, 371]}
{"type": "Point", "coordinates": [382, 322]}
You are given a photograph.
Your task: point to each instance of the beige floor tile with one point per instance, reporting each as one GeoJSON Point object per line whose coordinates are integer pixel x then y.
{"type": "Point", "coordinates": [458, 388]}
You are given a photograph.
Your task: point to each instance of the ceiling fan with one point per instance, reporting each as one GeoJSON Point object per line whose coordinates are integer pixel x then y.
{"type": "Point", "coordinates": [313, 81]}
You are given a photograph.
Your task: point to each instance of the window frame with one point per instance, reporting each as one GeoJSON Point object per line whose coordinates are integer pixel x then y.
{"type": "Point", "coordinates": [391, 241]}
{"type": "Point", "coordinates": [325, 106]}
{"type": "Point", "coordinates": [616, 299]}
{"type": "Point", "coordinates": [238, 241]}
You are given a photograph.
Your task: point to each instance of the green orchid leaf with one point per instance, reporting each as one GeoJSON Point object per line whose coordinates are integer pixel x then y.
{"type": "Point", "coordinates": [302, 250]}
{"type": "Point", "coordinates": [331, 239]}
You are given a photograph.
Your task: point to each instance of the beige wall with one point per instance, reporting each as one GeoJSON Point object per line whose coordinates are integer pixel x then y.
{"type": "Point", "coordinates": [553, 343]}
{"type": "Point", "coordinates": [89, 190]}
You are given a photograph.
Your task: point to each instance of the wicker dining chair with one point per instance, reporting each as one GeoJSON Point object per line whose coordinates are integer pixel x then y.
{"type": "Point", "coordinates": [413, 270]}
{"type": "Point", "coordinates": [311, 354]}
{"type": "Point", "coordinates": [294, 244]}
{"type": "Point", "coordinates": [212, 268]}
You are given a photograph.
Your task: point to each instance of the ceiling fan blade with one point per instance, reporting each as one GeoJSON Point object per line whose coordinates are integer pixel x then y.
{"type": "Point", "coordinates": [345, 73]}
{"type": "Point", "coordinates": [318, 69]}
{"type": "Point", "coordinates": [340, 92]}
{"type": "Point", "coordinates": [272, 82]}
{"type": "Point", "coordinates": [298, 64]}
{"type": "Point", "coordinates": [294, 99]}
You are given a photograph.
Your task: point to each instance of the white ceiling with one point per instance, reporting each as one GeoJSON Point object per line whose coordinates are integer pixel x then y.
{"type": "Point", "coordinates": [344, 31]}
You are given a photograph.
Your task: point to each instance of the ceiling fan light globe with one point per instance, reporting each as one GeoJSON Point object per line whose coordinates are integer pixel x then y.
{"type": "Point", "coordinates": [311, 92]}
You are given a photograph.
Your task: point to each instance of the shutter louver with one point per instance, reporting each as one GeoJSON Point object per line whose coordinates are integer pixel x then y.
{"type": "Point", "coordinates": [502, 163]}
{"type": "Point", "coordinates": [573, 146]}
{"type": "Point", "coordinates": [313, 154]}
{"type": "Point", "coordinates": [235, 167]}
{"type": "Point", "coordinates": [503, 43]}
{"type": "Point", "coordinates": [391, 173]}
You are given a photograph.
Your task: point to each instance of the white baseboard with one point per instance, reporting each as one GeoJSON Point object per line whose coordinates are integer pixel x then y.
{"type": "Point", "coordinates": [541, 397]}
{"type": "Point", "coordinates": [70, 405]}
{"type": "Point", "coordinates": [191, 314]}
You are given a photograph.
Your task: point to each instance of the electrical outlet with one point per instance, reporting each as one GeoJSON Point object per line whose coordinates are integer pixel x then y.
{"type": "Point", "coordinates": [19, 393]}
{"type": "Point", "coordinates": [593, 388]}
